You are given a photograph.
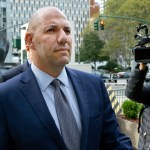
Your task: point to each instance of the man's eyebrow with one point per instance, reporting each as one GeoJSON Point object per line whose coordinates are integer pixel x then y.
{"type": "Point", "coordinates": [67, 27]}
{"type": "Point", "coordinates": [50, 26]}
{"type": "Point", "coordinates": [53, 25]}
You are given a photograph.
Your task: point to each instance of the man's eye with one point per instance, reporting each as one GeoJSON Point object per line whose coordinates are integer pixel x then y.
{"type": "Point", "coordinates": [68, 31]}
{"type": "Point", "coordinates": [50, 30]}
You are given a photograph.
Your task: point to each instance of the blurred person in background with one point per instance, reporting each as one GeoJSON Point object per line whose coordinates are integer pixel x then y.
{"type": "Point", "coordinates": [17, 69]}
{"type": "Point", "coordinates": [139, 91]}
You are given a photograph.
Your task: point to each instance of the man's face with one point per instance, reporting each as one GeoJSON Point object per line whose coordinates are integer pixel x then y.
{"type": "Point", "coordinates": [52, 41]}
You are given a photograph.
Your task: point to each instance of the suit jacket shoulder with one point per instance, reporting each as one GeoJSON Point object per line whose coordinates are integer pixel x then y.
{"type": "Point", "coordinates": [13, 72]}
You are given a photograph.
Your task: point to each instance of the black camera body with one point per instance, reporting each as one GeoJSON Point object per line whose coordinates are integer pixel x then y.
{"type": "Point", "coordinates": [142, 54]}
{"type": "Point", "coordinates": [141, 51]}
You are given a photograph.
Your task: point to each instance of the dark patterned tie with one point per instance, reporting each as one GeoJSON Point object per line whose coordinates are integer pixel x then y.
{"type": "Point", "coordinates": [68, 125]}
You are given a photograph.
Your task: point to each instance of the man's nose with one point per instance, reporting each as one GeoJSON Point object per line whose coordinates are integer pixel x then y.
{"type": "Point", "coordinates": [62, 38]}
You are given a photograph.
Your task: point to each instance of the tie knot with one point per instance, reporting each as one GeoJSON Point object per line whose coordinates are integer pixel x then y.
{"type": "Point", "coordinates": [55, 83]}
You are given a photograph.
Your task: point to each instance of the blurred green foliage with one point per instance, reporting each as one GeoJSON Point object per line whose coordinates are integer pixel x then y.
{"type": "Point", "coordinates": [131, 109]}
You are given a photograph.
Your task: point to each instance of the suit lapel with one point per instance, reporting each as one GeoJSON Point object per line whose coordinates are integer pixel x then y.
{"type": "Point", "coordinates": [35, 98]}
{"type": "Point", "coordinates": [81, 94]}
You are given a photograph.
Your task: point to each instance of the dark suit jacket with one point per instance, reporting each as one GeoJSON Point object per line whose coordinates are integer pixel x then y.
{"type": "Point", "coordinates": [26, 123]}
{"type": "Point", "coordinates": [13, 72]}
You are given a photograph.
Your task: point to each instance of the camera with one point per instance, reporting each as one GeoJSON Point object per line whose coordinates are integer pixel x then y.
{"type": "Point", "coordinates": [141, 51]}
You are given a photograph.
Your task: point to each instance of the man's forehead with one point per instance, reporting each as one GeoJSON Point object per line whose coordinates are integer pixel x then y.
{"type": "Point", "coordinates": [56, 22]}
{"type": "Point", "coordinates": [53, 17]}
{"type": "Point", "coordinates": [48, 14]}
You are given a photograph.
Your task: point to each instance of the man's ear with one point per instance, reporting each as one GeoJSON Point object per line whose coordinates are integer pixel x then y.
{"type": "Point", "coordinates": [29, 41]}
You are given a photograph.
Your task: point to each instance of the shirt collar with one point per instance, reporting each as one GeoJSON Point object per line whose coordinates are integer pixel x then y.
{"type": "Point", "coordinates": [44, 79]}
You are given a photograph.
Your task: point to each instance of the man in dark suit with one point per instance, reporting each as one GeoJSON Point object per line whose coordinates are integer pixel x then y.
{"type": "Point", "coordinates": [29, 113]}
{"type": "Point", "coordinates": [13, 72]}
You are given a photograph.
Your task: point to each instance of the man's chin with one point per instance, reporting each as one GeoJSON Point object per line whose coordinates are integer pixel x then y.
{"type": "Point", "coordinates": [64, 62]}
